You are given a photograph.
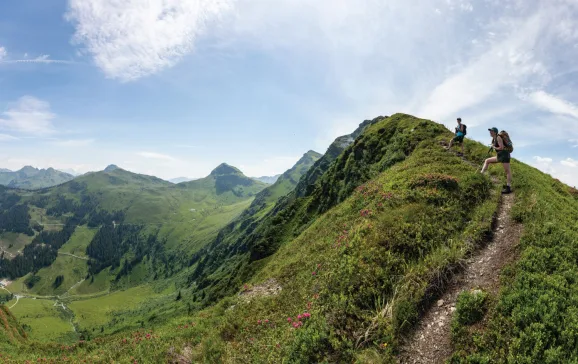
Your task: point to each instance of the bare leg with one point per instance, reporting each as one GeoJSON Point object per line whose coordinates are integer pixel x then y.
{"type": "Point", "coordinates": [489, 161]}
{"type": "Point", "coordinates": [450, 144]}
{"type": "Point", "coordinates": [508, 173]}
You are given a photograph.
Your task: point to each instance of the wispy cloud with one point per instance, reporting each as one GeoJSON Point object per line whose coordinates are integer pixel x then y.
{"type": "Point", "coordinates": [74, 143]}
{"type": "Point", "coordinates": [42, 59]}
{"type": "Point", "coordinates": [574, 143]}
{"type": "Point", "coordinates": [506, 63]}
{"type": "Point", "coordinates": [553, 104]}
{"type": "Point", "coordinates": [569, 162]}
{"type": "Point", "coordinates": [133, 38]}
{"type": "Point", "coordinates": [28, 115]}
{"type": "Point", "coordinates": [7, 138]}
{"type": "Point", "coordinates": [45, 58]}
{"type": "Point", "coordinates": [153, 155]}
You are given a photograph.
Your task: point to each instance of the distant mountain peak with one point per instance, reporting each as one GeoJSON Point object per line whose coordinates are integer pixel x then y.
{"type": "Point", "coordinates": [181, 179]}
{"type": "Point", "coordinates": [111, 167]}
{"type": "Point", "coordinates": [31, 178]}
{"type": "Point", "coordinates": [224, 169]}
{"type": "Point", "coordinates": [268, 179]}
{"type": "Point", "coordinates": [28, 169]}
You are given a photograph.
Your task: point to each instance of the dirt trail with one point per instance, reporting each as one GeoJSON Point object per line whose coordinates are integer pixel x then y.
{"type": "Point", "coordinates": [72, 255]}
{"type": "Point", "coordinates": [430, 342]}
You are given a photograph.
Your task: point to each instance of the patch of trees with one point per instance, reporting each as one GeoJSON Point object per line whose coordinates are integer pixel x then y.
{"type": "Point", "coordinates": [4, 298]}
{"type": "Point", "coordinates": [31, 281]}
{"type": "Point", "coordinates": [63, 205]}
{"type": "Point", "coordinates": [110, 244]}
{"type": "Point", "coordinates": [98, 218]}
{"type": "Point", "coordinates": [58, 281]}
{"type": "Point", "coordinates": [17, 220]}
{"type": "Point", "coordinates": [44, 248]}
{"type": "Point", "coordinates": [8, 200]}
{"type": "Point", "coordinates": [126, 246]}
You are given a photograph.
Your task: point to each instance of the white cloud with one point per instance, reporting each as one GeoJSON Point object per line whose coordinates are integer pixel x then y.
{"type": "Point", "coordinates": [7, 138]}
{"type": "Point", "coordinates": [559, 169]}
{"type": "Point", "coordinates": [152, 155]}
{"type": "Point", "coordinates": [134, 38]}
{"type": "Point", "coordinates": [544, 160]}
{"type": "Point", "coordinates": [553, 104]}
{"type": "Point", "coordinates": [74, 142]}
{"type": "Point", "coordinates": [508, 62]}
{"type": "Point", "coordinates": [569, 162]}
{"type": "Point", "coordinates": [28, 115]}
{"type": "Point", "coordinates": [574, 143]}
{"type": "Point", "coordinates": [2, 53]}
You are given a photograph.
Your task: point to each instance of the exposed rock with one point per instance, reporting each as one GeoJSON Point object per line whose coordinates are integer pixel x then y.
{"type": "Point", "coordinates": [186, 357]}
{"type": "Point", "coordinates": [267, 288]}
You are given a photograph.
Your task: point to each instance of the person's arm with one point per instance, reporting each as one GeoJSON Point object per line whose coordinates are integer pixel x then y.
{"type": "Point", "coordinates": [500, 143]}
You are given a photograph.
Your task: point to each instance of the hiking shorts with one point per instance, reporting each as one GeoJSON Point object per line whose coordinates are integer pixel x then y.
{"type": "Point", "coordinates": [503, 156]}
{"type": "Point", "coordinates": [458, 139]}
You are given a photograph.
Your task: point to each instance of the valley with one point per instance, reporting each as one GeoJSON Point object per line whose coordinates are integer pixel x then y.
{"type": "Point", "coordinates": [339, 260]}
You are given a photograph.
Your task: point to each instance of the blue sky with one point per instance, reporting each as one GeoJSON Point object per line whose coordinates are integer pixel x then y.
{"type": "Point", "coordinates": [175, 87]}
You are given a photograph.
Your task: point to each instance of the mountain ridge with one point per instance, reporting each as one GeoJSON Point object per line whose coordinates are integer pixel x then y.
{"type": "Point", "coordinates": [32, 178]}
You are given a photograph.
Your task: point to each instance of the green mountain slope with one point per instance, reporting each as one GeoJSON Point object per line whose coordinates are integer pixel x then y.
{"type": "Point", "coordinates": [353, 263]}
{"type": "Point", "coordinates": [31, 178]}
{"type": "Point", "coordinates": [10, 330]}
{"type": "Point", "coordinates": [147, 217]}
{"type": "Point", "coordinates": [283, 185]}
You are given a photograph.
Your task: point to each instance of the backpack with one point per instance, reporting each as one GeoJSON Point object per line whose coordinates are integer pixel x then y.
{"type": "Point", "coordinates": [508, 145]}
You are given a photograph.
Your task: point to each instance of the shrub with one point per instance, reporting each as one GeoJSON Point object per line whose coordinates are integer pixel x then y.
{"type": "Point", "coordinates": [470, 307]}
{"type": "Point", "coordinates": [436, 180]}
{"type": "Point", "coordinates": [310, 342]}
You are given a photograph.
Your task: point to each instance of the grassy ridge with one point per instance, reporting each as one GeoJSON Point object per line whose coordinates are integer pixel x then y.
{"type": "Point", "coordinates": [360, 254]}
{"type": "Point", "coordinates": [535, 318]}
{"type": "Point", "coordinates": [361, 270]}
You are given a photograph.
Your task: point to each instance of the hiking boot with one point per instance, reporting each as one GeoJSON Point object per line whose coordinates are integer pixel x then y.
{"type": "Point", "coordinates": [507, 190]}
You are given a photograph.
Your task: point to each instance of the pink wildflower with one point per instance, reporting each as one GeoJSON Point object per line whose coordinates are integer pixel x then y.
{"type": "Point", "coordinates": [313, 273]}
{"type": "Point", "coordinates": [299, 317]}
{"type": "Point", "coordinates": [288, 319]}
{"type": "Point", "coordinates": [259, 322]}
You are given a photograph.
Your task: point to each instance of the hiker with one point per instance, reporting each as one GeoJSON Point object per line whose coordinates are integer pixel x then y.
{"type": "Point", "coordinates": [460, 133]}
{"type": "Point", "coordinates": [503, 147]}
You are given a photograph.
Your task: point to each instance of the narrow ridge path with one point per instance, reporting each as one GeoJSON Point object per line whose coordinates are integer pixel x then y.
{"type": "Point", "coordinates": [430, 342]}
